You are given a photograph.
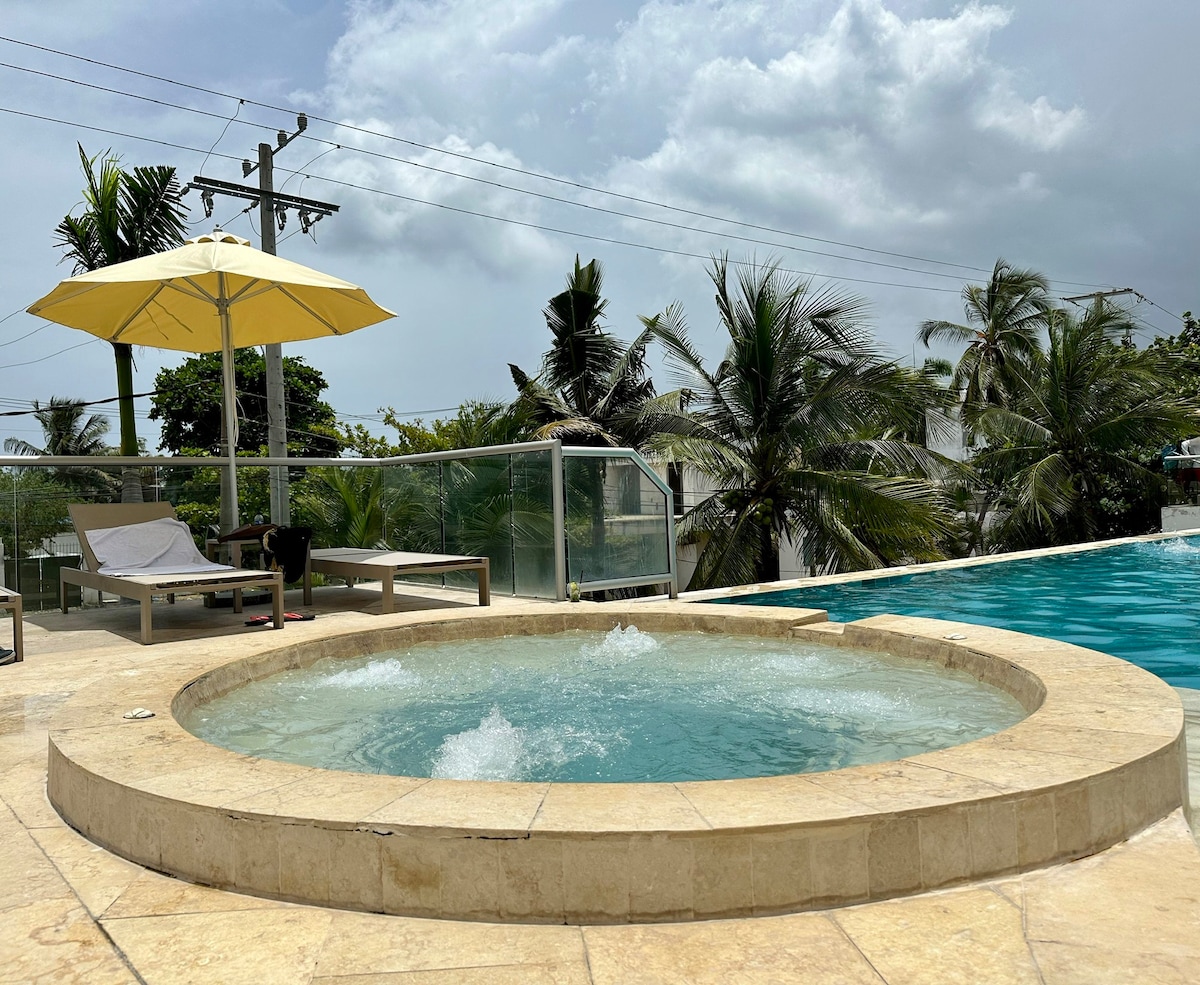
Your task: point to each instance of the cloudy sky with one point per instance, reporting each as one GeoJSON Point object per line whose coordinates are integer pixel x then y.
{"type": "Point", "coordinates": [895, 147]}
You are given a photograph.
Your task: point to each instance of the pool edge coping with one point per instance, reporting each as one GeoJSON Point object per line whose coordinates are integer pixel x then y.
{"type": "Point", "coordinates": [893, 828]}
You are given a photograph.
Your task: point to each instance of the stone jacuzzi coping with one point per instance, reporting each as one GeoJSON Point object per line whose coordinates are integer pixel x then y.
{"type": "Point", "coordinates": [1100, 757]}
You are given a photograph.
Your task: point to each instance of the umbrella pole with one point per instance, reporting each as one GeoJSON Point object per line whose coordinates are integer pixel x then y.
{"type": "Point", "coordinates": [229, 502]}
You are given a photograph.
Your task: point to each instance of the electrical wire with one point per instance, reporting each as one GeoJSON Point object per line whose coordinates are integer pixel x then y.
{"type": "Point", "coordinates": [509, 168]}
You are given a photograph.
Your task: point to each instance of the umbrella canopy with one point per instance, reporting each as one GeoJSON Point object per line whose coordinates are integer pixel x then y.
{"type": "Point", "coordinates": [214, 293]}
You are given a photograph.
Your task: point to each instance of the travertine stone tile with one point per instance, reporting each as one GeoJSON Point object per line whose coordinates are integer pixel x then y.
{"type": "Point", "coordinates": [244, 947]}
{"type": "Point", "coordinates": [152, 894]}
{"type": "Point", "coordinates": [598, 890]}
{"type": "Point", "coordinates": [1072, 964]}
{"type": "Point", "coordinates": [992, 834]}
{"type": "Point", "coordinates": [23, 789]}
{"type": "Point", "coordinates": [783, 877]}
{"type": "Point", "coordinates": [55, 941]}
{"type": "Point", "coordinates": [26, 874]}
{"type": "Point", "coordinates": [304, 862]}
{"type": "Point", "coordinates": [531, 878]}
{"type": "Point", "coordinates": [603, 807]}
{"type": "Point", "coordinates": [1036, 839]}
{"type": "Point", "coordinates": [197, 844]}
{"type": "Point", "coordinates": [524, 974]}
{"type": "Point", "coordinates": [255, 855]}
{"type": "Point", "coordinates": [945, 847]}
{"type": "Point", "coordinates": [804, 949]}
{"type": "Point", "coordinates": [661, 875]}
{"type": "Point", "coordinates": [471, 877]}
{"type": "Point", "coordinates": [904, 785]}
{"type": "Point", "coordinates": [96, 876]}
{"type": "Point", "coordinates": [838, 857]}
{"type": "Point", "coordinates": [411, 873]}
{"type": "Point", "coordinates": [893, 856]}
{"type": "Point", "coordinates": [450, 806]}
{"type": "Point", "coordinates": [363, 943]}
{"type": "Point", "coordinates": [355, 869]}
{"type": "Point", "coordinates": [952, 937]}
{"type": "Point", "coordinates": [723, 881]}
{"type": "Point", "coordinates": [1139, 897]}
{"type": "Point", "coordinates": [334, 797]}
{"type": "Point", "coordinates": [737, 805]}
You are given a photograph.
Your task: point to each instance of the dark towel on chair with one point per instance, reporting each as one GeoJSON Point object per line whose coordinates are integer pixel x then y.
{"type": "Point", "coordinates": [286, 550]}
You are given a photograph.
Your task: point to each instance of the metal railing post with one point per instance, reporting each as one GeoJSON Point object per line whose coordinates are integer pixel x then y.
{"type": "Point", "coordinates": [558, 505]}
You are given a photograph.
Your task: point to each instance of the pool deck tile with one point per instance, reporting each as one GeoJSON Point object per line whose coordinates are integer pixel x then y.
{"type": "Point", "coordinates": [75, 913]}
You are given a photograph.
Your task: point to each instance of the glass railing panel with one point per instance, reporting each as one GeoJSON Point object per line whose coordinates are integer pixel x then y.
{"type": "Point", "coordinates": [616, 520]}
{"type": "Point", "coordinates": [533, 525]}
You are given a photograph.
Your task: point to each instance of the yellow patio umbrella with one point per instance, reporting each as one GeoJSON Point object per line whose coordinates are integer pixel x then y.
{"type": "Point", "coordinates": [214, 293]}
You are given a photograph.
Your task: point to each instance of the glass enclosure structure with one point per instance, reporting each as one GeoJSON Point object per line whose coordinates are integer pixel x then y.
{"type": "Point", "coordinates": [544, 514]}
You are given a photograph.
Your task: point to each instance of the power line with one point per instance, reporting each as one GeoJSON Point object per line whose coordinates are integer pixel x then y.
{"type": "Point", "coordinates": [484, 215]}
{"type": "Point", "coordinates": [509, 168]}
{"type": "Point", "coordinates": [542, 195]}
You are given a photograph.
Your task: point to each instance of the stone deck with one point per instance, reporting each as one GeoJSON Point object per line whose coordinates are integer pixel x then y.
{"type": "Point", "coordinates": [72, 912]}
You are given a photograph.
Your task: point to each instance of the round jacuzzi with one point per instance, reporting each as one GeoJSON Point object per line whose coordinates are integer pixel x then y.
{"type": "Point", "coordinates": [623, 706]}
{"type": "Point", "coordinates": [1098, 757]}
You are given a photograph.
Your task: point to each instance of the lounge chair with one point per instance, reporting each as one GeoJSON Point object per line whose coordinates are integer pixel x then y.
{"type": "Point", "coordinates": [129, 551]}
{"type": "Point", "coordinates": [365, 564]}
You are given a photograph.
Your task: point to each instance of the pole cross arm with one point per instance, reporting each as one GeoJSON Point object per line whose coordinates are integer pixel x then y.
{"type": "Point", "coordinates": [246, 191]}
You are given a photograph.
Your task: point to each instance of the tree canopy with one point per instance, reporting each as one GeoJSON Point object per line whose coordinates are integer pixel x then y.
{"type": "Point", "coordinates": [795, 427]}
{"type": "Point", "coordinates": [188, 403]}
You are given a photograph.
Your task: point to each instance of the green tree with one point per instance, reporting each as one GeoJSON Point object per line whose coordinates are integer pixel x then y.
{"type": "Point", "coordinates": [1068, 442]}
{"type": "Point", "coordinates": [1005, 319]}
{"type": "Point", "coordinates": [66, 431]}
{"type": "Point", "coordinates": [33, 507]}
{"type": "Point", "coordinates": [792, 428]}
{"type": "Point", "coordinates": [592, 386]}
{"type": "Point", "coordinates": [187, 400]}
{"type": "Point", "coordinates": [125, 215]}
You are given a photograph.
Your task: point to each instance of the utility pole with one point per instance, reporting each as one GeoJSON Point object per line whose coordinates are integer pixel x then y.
{"type": "Point", "coordinates": [272, 206]}
{"type": "Point", "coordinates": [1115, 292]}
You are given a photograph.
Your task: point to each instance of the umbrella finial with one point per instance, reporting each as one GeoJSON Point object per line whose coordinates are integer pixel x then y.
{"type": "Point", "coordinates": [218, 235]}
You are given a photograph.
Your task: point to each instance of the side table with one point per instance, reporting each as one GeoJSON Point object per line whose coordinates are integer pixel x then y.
{"type": "Point", "coordinates": [11, 601]}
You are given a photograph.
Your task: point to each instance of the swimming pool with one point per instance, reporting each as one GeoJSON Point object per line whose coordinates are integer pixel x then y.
{"type": "Point", "coordinates": [1138, 601]}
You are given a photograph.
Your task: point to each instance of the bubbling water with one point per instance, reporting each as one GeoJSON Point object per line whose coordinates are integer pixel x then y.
{"type": "Point", "coordinates": [623, 706]}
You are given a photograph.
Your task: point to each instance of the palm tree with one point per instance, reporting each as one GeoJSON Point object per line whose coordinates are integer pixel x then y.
{"type": "Point", "coordinates": [793, 429]}
{"type": "Point", "coordinates": [592, 385]}
{"type": "Point", "coordinates": [1078, 415]}
{"type": "Point", "coordinates": [67, 432]}
{"type": "Point", "coordinates": [126, 215]}
{"type": "Point", "coordinates": [1005, 319]}
{"type": "Point", "coordinates": [592, 390]}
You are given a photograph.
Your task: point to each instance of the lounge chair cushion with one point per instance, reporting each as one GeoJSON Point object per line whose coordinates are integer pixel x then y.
{"type": "Point", "coordinates": [156, 547]}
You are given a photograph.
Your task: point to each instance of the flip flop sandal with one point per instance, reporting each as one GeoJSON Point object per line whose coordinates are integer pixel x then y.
{"type": "Point", "coordinates": [287, 617]}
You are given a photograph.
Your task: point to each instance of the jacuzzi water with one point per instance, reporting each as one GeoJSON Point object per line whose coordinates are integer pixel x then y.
{"type": "Point", "coordinates": [1140, 601]}
{"type": "Point", "coordinates": [626, 706]}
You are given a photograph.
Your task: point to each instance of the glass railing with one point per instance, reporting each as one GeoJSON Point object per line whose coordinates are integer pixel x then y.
{"type": "Point", "coordinates": [543, 514]}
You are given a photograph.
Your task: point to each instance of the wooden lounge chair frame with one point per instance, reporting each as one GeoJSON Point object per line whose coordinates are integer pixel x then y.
{"type": "Point", "coordinates": [383, 566]}
{"type": "Point", "coordinates": [98, 516]}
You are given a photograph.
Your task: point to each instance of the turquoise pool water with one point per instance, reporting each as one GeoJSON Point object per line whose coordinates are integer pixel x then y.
{"type": "Point", "coordinates": [1140, 602]}
{"type": "Point", "coordinates": [589, 707]}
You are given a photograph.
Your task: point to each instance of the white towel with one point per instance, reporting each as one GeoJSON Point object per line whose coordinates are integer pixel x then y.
{"type": "Point", "coordinates": [156, 547]}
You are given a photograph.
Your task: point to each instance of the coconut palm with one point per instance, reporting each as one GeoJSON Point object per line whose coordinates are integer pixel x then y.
{"type": "Point", "coordinates": [66, 431]}
{"type": "Point", "coordinates": [1005, 319]}
{"type": "Point", "coordinates": [126, 215]}
{"type": "Point", "coordinates": [1079, 413]}
{"type": "Point", "coordinates": [591, 385]}
{"type": "Point", "coordinates": [792, 428]}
